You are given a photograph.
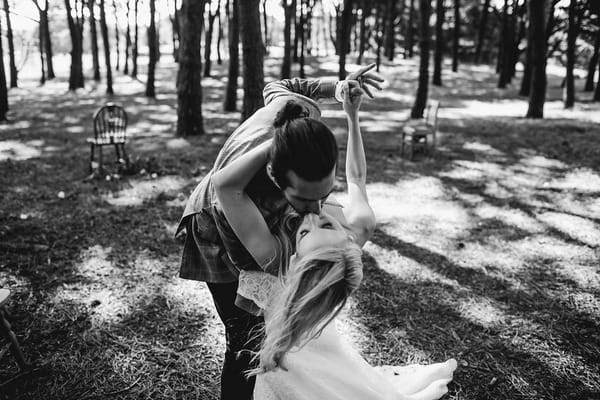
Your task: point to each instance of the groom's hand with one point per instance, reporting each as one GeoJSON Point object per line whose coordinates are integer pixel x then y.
{"type": "Point", "coordinates": [366, 79]}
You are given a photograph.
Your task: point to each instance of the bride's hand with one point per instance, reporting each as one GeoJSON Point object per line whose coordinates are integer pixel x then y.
{"type": "Point", "coordinates": [352, 94]}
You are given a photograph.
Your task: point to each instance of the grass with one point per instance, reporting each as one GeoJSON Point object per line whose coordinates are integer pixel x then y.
{"type": "Point", "coordinates": [487, 252]}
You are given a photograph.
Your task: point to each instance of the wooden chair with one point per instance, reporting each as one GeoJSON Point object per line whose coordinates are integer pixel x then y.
{"type": "Point", "coordinates": [8, 333]}
{"type": "Point", "coordinates": [110, 125]}
{"type": "Point", "coordinates": [416, 133]}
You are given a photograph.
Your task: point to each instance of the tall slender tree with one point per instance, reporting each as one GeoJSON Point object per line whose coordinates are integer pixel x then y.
{"type": "Point", "coordinates": [104, 32]}
{"type": "Point", "coordinates": [362, 32]}
{"type": "Point", "coordinates": [127, 37]}
{"type": "Point", "coordinates": [11, 47]}
{"type": "Point", "coordinates": [569, 91]}
{"type": "Point", "coordinates": [252, 55]}
{"type": "Point", "coordinates": [439, 43]}
{"type": "Point", "coordinates": [410, 31]}
{"type": "Point", "coordinates": [527, 68]}
{"type": "Point", "coordinates": [456, 36]}
{"type": "Point", "coordinates": [75, 22]}
{"type": "Point", "coordinates": [504, 47]}
{"type": "Point", "coordinates": [485, 10]}
{"type": "Point", "coordinates": [589, 80]}
{"type": "Point", "coordinates": [45, 40]}
{"type": "Point", "coordinates": [537, 25]}
{"type": "Point", "coordinates": [3, 88]}
{"type": "Point", "coordinates": [134, 50]}
{"type": "Point", "coordinates": [219, 34]}
{"type": "Point", "coordinates": [212, 16]}
{"type": "Point", "coordinates": [175, 29]}
{"type": "Point", "coordinates": [343, 37]}
{"type": "Point", "coordinates": [152, 51]}
{"type": "Point", "coordinates": [233, 37]}
{"type": "Point", "coordinates": [289, 7]}
{"type": "Point", "coordinates": [94, 39]}
{"type": "Point", "coordinates": [422, 90]}
{"type": "Point", "coordinates": [189, 79]}
{"type": "Point", "coordinates": [117, 40]}
{"type": "Point", "coordinates": [390, 29]}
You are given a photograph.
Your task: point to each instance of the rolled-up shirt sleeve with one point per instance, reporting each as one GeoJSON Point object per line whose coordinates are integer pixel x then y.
{"type": "Point", "coordinates": [314, 89]}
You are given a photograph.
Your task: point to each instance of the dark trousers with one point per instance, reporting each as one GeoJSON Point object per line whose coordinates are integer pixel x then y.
{"type": "Point", "coordinates": [243, 332]}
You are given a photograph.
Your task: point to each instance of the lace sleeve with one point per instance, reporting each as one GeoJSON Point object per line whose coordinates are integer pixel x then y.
{"type": "Point", "coordinates": [257, 286]}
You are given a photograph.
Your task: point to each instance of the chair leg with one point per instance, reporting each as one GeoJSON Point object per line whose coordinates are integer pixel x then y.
{"type": "Point", "coordinates": [10, 335]}
{"type": "Point", "coordinates": [125, 155]}
{"type": "Point", "coordinates": [92, 149]}
{"type": "Point", "coordinates": [100, 158]}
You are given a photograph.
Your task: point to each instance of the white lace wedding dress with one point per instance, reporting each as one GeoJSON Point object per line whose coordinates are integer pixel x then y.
{"type": "Point", "coordinates": [328, 368]}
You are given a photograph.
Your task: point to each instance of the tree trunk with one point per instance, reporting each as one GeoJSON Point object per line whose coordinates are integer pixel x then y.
{"type": "Point", "coordinates": [94, 40]}
{"type": "Point", "coordinates": [344, 37]}
{"type": "Point", "coordinates": [481, 31]}
{"type": "Point", "coordinates": [189, 88]}
{"type": "Point", "coordinates": [527, 69]}
{"type": "Point", "coordinates": [233, 33]}
{"type": "Point", "coordinates": [48, 41]}
{"type": "Point", "coordinates": [175, 28]}
{"type": "Point", "coordinates": [252, 55]}
{"type": "Point", "coordinates": [295, 56]}
{"type": "Point", "coordinates": [208, 41]}
{"type": "Point", "coordinates": [3, 88]}
{"type": "Point", "coordinates": [390, 32]}
{"type": "Point", "coordinates": [265, 25]}
{"type": "Point", "coordinates": [152, 51]}
{"type": "Point", "coordinates": [455, 41]}
{"type": "Point", "coordinates": [42, 54]}
{"type": "Point", "coordinates": [537, 26]}
{"type": "Point", "coordinates": [569, 93]}
{"type": "Point", "coordinates": [597, 91]}
{"type": "Point", "coordinates": [421, 97]}
{"type": "Point", "coordinates": [11, 47]}
{"type": "Point", "coordinates": [366, 11]}
{"type": "Point", "coordinates": [134, 51]}
{"type": "Point", "coordinates": [504, 49]}
{"type": "Point", "coordinates": [286, 64]}
{"type": "Point", "coordinates": [76, 33]}
{"type": "Point", "coordinates": [302, 33]}
{"type": "Point", "coordinates": [409, 41]}
{"type": "Point", "coordinates": [379, 29]}
{"type": "Point", "coordinates": [117, 47]}
{"type": "Point", "coordinates": [104, 32]}
{"type": "Point", "coordinates": [589, 81]}
{"type": "Point", "coordinates": [439, 43]}
{"type": "Point", "coordinates": [127, 40]}
{"type": "Point", "coordinates": [219, 34]}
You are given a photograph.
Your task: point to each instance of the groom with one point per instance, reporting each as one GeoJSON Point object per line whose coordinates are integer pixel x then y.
{"type": "Point", "coordinates": [209, 239]}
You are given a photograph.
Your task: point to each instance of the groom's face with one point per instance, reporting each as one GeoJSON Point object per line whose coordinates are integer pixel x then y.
{"type": "Point", "coordinates": [308, 196]}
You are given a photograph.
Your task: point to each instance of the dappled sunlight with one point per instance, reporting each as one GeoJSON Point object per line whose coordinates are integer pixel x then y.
{"type": "Point", "coordinates": [509, 216]}
{"type": "Point", "coordinates": [582, 180]}
{"type": "Point", "coordinates": [143, 189]}
{"type": "Point", "coordinates": [18, 150]}
{"type": "Point", "coordinates": [578, 228]}
{"type": "Point", "coordinates": [482, 311]}
{"type": "Point", "coordinates": [494, 257]}
{"type": "Point", "coordinates": [16, 125]}
{"type": "Point", "coordinates": [546, 247]}
{"type": "Point", "coordinates": [586, 276]}
{"type": "Point", "coordinates": [484, 149]}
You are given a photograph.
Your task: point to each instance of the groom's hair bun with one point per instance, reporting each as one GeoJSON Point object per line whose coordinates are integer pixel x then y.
{"type": "Point", "coordinates": [290, 111]}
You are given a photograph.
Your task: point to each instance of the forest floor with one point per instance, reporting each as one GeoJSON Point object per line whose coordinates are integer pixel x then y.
{"type": "Point", "coordinates": [487, 252]}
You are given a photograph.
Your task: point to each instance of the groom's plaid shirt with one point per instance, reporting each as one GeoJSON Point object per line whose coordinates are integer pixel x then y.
{"type": "Point", "coordinates": [212, 252]}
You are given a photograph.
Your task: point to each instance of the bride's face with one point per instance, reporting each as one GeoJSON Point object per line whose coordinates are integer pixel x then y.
{"type": "Point", "coordinates": [319, 230]}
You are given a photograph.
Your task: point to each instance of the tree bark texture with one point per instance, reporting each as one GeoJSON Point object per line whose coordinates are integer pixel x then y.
{"type": "Point", "coordinates": [233, 26]}
{"type": "Point", "coordinates": [537, 25]}
{"type": "Point", "coordinates": [11, 47]}
{"type": "Point", "coordinates": [504, 47]}
{"type": "Point", "coordinates": [589, 80]}
{"type": "Point", "coordinates": [175, 29]}
{"type": "Point", "coordinates": [286, 64]}
{"type": "Point", "coordinates": [117, 40]}
{"type": "Point", "coordinates": [75, 22]}
{"type": "Point", "coordinates": [390, 29]}
{"type": "Point", "coordinates": [189, 88]}
{"type": "Point", "coordinates": [344, 37]}
{"type": "Point", "coordinates": [3, 88]}
{"type": "Point", "coordinates": [569, 94]}
{"type": "Point", "coordinates": [422, 89]}
{"type": "Point", "coordinates": [104, 33]}
{"type": "Point", "coordinates": [455, 41]}
{"type": "Point", "coordinates": [134, 50]}
{"type": "Point", "coordinates": [94, 40]}
{"type": "Point", "coordinates": [208, 41]}
{"type": "Point", "coordinates": [152, 51]}
{"type": "Point", "coordinates": [127, 39]}
{"type": "Point", "coordinates": [439, 43]}
{"type": "Point", "coordinates": [47, 40]}
{"type": "Point", "coordinates": [481, 31]}
{"type": "Point", "coordinates": [252, 55]}
{"type": "Point", "coordinates": [362, 32]}
{"type": "Point", "coordinates": [409, 41]}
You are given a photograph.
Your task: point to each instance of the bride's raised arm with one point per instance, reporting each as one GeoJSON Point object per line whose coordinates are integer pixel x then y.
{"type": "Point", "coordinates": [359, 214]}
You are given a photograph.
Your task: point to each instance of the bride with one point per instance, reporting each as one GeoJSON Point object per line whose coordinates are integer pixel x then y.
{"type": "Point", "coordinates": [302, 356]}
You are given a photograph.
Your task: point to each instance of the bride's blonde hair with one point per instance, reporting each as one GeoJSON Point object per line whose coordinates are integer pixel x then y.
{"type": "Point", "coordinates": [316, 288]}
